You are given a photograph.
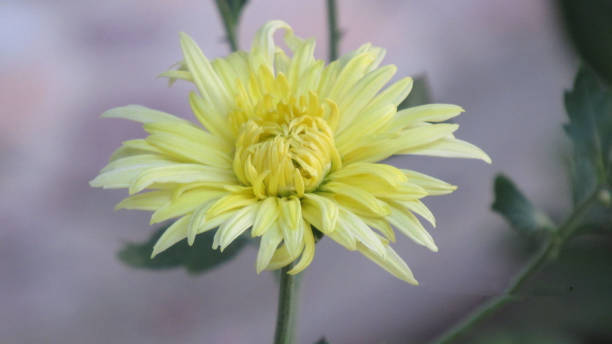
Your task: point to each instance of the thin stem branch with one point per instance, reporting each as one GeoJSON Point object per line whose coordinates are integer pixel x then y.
{"type": "Point", "coordinates": [229, 22]}
{"type": "Point", "coordinates": [334, 32]}
{"type": "Point", "coordinates": [288, 301]}
{"type": "Point", "coordinates": [548, 251]}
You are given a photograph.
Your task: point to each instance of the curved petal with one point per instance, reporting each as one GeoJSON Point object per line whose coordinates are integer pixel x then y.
{"type": "Point", "coordinates": [307, 254]}
{"type": "Point", "coordinates": [267, 246]}
{"type": "Point", "coordinates": [138, 113]}
{"type": "Point", "coordinates": [175, 233]}
{"type": "Point", "coordinates": [391, 262]}
{"type": "Point", "coordinates": [263, 48]}
{"type": "Point", "coordinates": [204, 76]}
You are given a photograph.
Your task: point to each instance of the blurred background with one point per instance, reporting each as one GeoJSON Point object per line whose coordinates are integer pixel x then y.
{"type": "Point", "coordinates": [63, 63]}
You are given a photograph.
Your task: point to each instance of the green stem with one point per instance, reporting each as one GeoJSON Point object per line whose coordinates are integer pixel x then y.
{"type": "Point", "coordinates": [334, 33]}
{"type": "Point", "coordinates": [548, 251]}
{"type": "Point", "coordinates": [288, 301]}
{"type": "Point", "coordinates": [229, 22]}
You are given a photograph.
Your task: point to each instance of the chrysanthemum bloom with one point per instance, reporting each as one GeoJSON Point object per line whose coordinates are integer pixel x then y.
{"type": "Point", "coordinates": [287, 145]}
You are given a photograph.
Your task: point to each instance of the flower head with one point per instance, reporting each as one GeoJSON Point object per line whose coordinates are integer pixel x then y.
{"type": "Point", "coordinates": [287, 147]}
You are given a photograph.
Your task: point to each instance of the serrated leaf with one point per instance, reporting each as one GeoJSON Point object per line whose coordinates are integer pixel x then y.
{"type": "Point", "coordinates": [195, 259]}
{"type": "Point", "coordinates": [419, 94]}
{"type": "Point", "coordinates": [517, 209]}
{"type": "Point", "coordinates": [589, 109]}
{"type": "Point", "coordinates": [589, 25]}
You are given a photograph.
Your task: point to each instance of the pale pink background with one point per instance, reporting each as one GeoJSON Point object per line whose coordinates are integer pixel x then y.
{"type": "Point", "coordinates": [62, 63]}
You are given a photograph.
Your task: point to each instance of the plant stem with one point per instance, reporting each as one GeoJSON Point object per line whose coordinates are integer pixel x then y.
{"type": "Point", "coordinates": [549, 250]}
{"type": "Point", "coordinates": [229, 22]}
{"type": "Point", "coordinates": [288, 301]}
{"type": "Point", "coordinates": [334, 33]}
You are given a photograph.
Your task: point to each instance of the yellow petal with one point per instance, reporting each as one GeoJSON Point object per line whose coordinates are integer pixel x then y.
{"type": "Point", "coordinates": [267, 246]}
{"type": "Point", "coordinates": [354, 70]}
{"type": "Point", "coordinates": [351, 103]}
{"type": "Point", "coordinates": [180, 173]}
{"type": "Point", "coordinates": [215, 122]}
{"type": "Point", "coordinates": [300, 63]}
{"type": "Point", "coordinates": [392, 95]}
{"type": "Point", "coordinates": [364, 125]}
{"type": "Point", "coordinates": [307, 254]}
{"type": "Point", "coordinates": [185, 149]}
{"type": "Point", "coordinates": [184, 203]}
{"type": "Point", "coordinates": [292, 225]}
{"type": "Point", "coordinates": [198, 219]}
{"type": "Point", "coordinates": [230, 202]}
{"type": "Point", "coordinates": [133, 147]}
{"type": "Point", "coordinates": [140, 114]}
{"type": "Point", "coordinates": [408, 224]}
{"type": "Point", "coordinates": [266, 215]}
{"type": "Point", "coordinates": [349, 222]}
{"type": "Point", "coordinates": [357, 199]}
{"type": "Point", "coordinates": [175, 233]}
{"type": "Point", "coordinates": [450, 148]}
{"type": "Point", "coordinates": [343, 237]}
{"type": "Point", "coordinates": [375, 150]}
{"type": "Point", "coordinates": [391, 262]}
{"type": "Point", "coordinates": [145, 201]}
{"type": "Point", "coordinates": [321, 211]}
{"type": "Point", "coordinates": [280, 259]}
{"type": "Point", "coordinates": [376, 173]}
{"type": "Point", "coordinates": [234, 227]}
{"type": "Point", "coordinates": [419, 208]}
{"type": "Point", "coordinates": [176, 74]}
{"type": "Point", "coordinates": [206, 79]}
{"type": "Point", "coordinates": [263, 48]}
{"type": "Point", "coordinates": [122, 172]}
{"type": "Point", "coordinates": [425, 113]}
{"type": "Point", "coordinates": [433, 186]}
{"type": "Point", "coordinates": [188, 131]}
{"type": "Point", "coordinates": [232, 68]}
{"type": "Point", "coordinates": [382, 226]}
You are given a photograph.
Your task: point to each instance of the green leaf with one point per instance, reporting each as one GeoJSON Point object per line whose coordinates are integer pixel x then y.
{"type": "Point", "coordinates": [233, 7]}
{"type": "Point", "coordinates": [322, 341]}
{"type": "Point", "coordinates": [419, 95]}
{"type": "Point", "coordinates": [517, 209]}
{"type": "Point", "coordinates": [237, 5]}
{"type": "Point", "coordinates": [589, 25]}
{"type": "Point", "coordinates": [589, 108]}
{"type": "Point", "coordinates": [196, 259]}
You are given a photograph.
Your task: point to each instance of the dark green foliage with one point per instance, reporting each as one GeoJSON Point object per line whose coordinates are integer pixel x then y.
{"type": "Point", "coordinates": [236, 6]}
{"type": "Point", "coordinates": [517, 209]}
{"type": "Point", "coordinates": [589, 25]}
{"type": "Point", "coordinates": [419, 95]}
{"type": "Point", "coordinates": [230, 11]}
{"type": "Point", "coordinates": [566, 302]}
{"type": "Point", "coordinates": [589, 108]}
{"type": "Point", "coordinates": [196, 259]}
{"type": "Point", "coordinates": [322, 341]}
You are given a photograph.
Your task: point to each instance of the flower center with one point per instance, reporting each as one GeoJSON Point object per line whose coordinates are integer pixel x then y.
{"type": "Point", "coordinates": [286, 149]}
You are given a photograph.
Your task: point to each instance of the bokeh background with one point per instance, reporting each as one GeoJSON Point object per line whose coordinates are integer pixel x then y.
{"type": "Point", "coordinates": [63, 63]}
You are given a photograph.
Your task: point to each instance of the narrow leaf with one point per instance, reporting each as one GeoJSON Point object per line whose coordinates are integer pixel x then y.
{"type": "Point", "coordinates": [517, 209]}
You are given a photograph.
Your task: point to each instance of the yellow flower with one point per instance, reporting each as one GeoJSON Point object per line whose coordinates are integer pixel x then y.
{"type": "Point", "coordinates": [287, 146]}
